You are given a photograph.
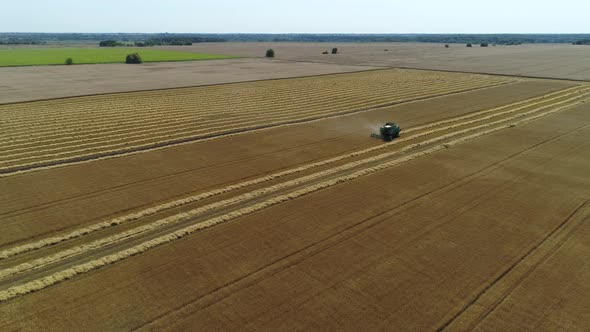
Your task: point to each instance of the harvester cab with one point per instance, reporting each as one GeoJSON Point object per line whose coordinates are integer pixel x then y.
{"type": "Point", "coordinates": [388, 132]}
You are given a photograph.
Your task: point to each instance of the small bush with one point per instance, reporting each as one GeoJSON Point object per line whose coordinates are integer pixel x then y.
{"type": "Point", "coordinates": [69, 61]}
{"type": "Point", "coordinates": [483, 44]}
{"type": "Point", "coordinates": [334, 50]}
{"type": "Point", "coordinates": [133, 58]}
{"type": "Point", "coordinates": [468, 45]}
{"type": "Point", "coordinates": [325, 52]}
{"type": "Point", "coordinates": [385, 50]}
{"type": "Point", "coordinates": [270, 53]}
{"type": "Point", "coordinates": [446, 45]}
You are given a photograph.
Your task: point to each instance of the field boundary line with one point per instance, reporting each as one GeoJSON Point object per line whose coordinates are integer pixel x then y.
{"type": "Point", "coordinates": [63, 275]}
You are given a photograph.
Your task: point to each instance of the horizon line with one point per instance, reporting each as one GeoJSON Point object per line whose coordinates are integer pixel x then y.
{"type": "Point", "coordinates": [313, 33]}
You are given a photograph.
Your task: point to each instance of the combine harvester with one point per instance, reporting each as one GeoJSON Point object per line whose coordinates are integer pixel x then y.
{"type": "Point", "coordinates": [388, 132]}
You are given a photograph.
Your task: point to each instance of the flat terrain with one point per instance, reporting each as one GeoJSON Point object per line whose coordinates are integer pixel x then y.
{"type": "Point", "coordinates": [292, 60]}
{"type": "Point", "coordinates": [539, 60]}
{"type": "Point", "coordinates": [44, 82]}
{"type": "Point", "coordinates": [57, 56]}
{"type": "Point", "coordinates": [475, 218]}
{"type": "Point", "coordinates": [56, 132]}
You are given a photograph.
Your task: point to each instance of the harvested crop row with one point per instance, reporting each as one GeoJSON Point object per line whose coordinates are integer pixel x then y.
{"type": "Point", "coordinates": [154, 148]}
{"type": "Point", "coordinates": [104, 126]}
{"type": "Point", "coordinates": [115, 112]}
{"type": "Point", "coordinates": [162, 133]}
{"type": "Point", "coordinates": [139, 109]}
{"type": "Point", "coordinates": [152, 137]}
{"type": "Point", "coordinates": [206, 100]}
{"type": "Point", "coordinates": [499, 111]}
{"type": "Point", "coordinates": [401, 78]}
{"type": "Point", "coordinates": [91, 137]}
{"type": "Point", "coordinates": [129, 115]}
{"type": "Point", "coordinates": [241, 198]}
{"type": "Point", "coordinates": [100, 125]}
{"type": "Point", "coordinates": [68, 273]}
{"type": "Point", "coordinates": [114, 152]}
{"type": "Point", "coordinates": [179, 131]}
{"type": "Point", "coordinates": [190, 129]}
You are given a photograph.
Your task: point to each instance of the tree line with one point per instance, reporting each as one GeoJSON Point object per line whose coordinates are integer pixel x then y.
{"type": "Point", "coordinates": [582, 42]}
{"type": "Point", "coordinates": [148, 39]}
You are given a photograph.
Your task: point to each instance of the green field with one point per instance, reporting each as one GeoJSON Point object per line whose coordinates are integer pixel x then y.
{"type": "Point", "coordinates": [58, 56]}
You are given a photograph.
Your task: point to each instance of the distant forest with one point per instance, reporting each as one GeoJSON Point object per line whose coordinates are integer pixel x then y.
{"type": "Point", "coordinates": [143, 39]}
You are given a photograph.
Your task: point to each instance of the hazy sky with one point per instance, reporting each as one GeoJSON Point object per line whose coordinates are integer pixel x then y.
{"type": "Point", "coordinates": [306, 16]}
